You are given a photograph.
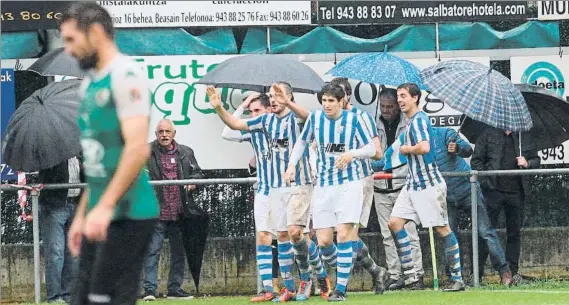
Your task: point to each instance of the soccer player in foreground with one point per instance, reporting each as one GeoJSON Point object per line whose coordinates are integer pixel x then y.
{"type": "Point", "coordinates": [423, 198]}
{"type": "Point", "coordinates": [258, 104]}
{"type": "Point", "coordinates": [117, 213]}
{"type": "Point", "coordinates": [338, 196]}
{"type": "Point", "coordinates": [289, 204]}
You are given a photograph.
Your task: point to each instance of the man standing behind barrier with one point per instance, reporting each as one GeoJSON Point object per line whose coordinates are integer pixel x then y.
{"type": "Point", "coordinates": [169, 160]}
{"type": "Point", "coordinates": [451, 150]}
{"type": "Point", "coordinates": [118, 211]}
{"type": "Point", "coordinates": [390, 124]}
{"type": "Point", "coordinates": [259, 104]}
{"type": "Point", "coordinates": [57, 208]}
{"type": "Point", "coordinates": [499, 150]}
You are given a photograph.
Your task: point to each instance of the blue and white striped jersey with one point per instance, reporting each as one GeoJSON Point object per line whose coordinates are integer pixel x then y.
{"type": "Point", "coordinates": [369, 126]}
{"type": "Point", "coordinates": [422, 169]}
{"type": "Point", "coordinates": [262, 152]}
{"type": "Point", "coordinates": [333, 138]}
{"type": "Point", "coordinates": [282, 134]}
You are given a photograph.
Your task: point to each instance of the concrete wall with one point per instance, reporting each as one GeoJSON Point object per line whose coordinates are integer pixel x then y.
{"type": "Point", "coordinates": [229, 263]}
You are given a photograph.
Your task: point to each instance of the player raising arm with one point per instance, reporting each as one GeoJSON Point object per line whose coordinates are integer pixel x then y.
{"type": "Point", "coordinates": [289, 205]}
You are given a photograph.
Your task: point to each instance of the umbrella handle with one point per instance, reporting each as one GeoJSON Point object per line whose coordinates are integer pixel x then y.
{"type": "Point", "coordinates": [520, 142]}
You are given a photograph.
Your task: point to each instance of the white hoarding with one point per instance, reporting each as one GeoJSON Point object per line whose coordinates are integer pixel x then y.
{"type": "Point", "coordinates": [144, 14]}
{"type": "Point", "coordinates": [176, 97]}
{"type": "Point", "coordinates": [549, 72]}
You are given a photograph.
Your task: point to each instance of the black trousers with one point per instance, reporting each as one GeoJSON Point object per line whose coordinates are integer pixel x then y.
{"type": "Point", "coordinates": [109, 271]}
{"type": "Point", "coordinates": [513, 206]}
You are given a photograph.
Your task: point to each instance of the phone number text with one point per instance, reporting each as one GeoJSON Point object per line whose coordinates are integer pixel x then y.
{"type": "Point", "coordinates": [29, 16]}
{"type": "Point", "coordinates": [358, 12]}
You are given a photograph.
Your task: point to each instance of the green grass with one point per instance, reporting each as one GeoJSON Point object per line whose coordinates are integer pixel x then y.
{"type": "Point", "coordinates": [471, 297]}
{"type": "Point", "coordinates": [535, 293]}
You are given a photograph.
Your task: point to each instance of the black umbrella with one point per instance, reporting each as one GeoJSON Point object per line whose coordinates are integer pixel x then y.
{"type": "Point", "coordinates": [57, 62]}
{"type": "Point", "coordinates": [258, 72]}
{"type": "Point", "coordinates": [195, 228]}
{"type": "Point", "coordinates": [43, 131]}
{"type": "Point", "coordinates": [549, 113]}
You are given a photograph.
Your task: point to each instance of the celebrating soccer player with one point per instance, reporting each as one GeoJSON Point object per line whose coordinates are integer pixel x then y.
{"type": "Point", "coordinates": [423, 199]}
{"type": "Point", "coordinates": [258, 104]}
{"type": "Point", "coordinates": [289, 203]}
{"type": "Point", "coordinates": [361, 251]}
{"type": "Point", "coordinates": [338, 197]}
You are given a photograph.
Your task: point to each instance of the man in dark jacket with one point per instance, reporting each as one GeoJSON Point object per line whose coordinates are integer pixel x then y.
{"type": "Point", "coordinates": [451, 150]}
{"type": "Point", "coordinates": [500, 150]}
{"type": "Point", "coordinates": [56, 211]}
{"type": "Point", "coordinates": [170, 161]}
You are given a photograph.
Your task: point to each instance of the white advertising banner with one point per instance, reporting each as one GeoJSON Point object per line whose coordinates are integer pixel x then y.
{"type": "Point", "coordinates": [153, 14]}
{"type": "Point", "coordinates": [552, 10]}
{"type": "Point", "coordinates": [549, 72]}
{"type": "Point", "coordinates": [176, 97]}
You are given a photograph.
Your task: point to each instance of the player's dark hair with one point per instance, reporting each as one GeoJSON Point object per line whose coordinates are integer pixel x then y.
{"type": "Point", "coordinates": [389, 94]}
{"type": "Point", "coordinates": [87, 14]}
{"type": "Point", "coordinates": [344, 83]}
{"type": "Point", "coordinates": [413, 90]}
{"type": "Point", "coordinates": [333, 90]}
{"type": "Point", "coordinates": [288, 89]}
{"type": "Point", "coordinates": [263, 99]}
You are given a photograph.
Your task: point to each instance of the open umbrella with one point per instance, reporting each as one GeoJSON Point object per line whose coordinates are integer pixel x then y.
{"type": "Point", "coordinates": [378, 68]}
{"type": "Point", "coordinates": [549, 113]}
{"type": "Point", "coordinates": [57, 62]}
{"type": "Point", "coordinates": [259, 71]}
{"type": "Point", "coordinates": [43, 131]}
{"type": "Point", "coordinates": [479, 92]}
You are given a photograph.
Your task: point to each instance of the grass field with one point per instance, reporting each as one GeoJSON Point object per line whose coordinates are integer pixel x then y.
{"type": "Point", "coordinates": [539, 293]}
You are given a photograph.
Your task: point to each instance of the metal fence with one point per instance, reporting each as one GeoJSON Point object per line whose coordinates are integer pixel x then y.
{"type": "Point", "coordinates": [474, 175]}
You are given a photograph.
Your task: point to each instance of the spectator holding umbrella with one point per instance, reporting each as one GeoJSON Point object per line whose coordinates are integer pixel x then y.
{"type": "Point", "coordinates": [451, 150]}
{"type": "Point", "coordinates": [497, 149]}
{"type": "Point", "coordinates": [57, 208]}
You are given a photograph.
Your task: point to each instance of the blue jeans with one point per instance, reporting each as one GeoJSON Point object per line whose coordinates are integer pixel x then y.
{"type": "Point", "coordinates": [487, 235]}
{"type": "Point", "coordinates": [60, 266]}
{"type": "Point", "coordinates": [170, 230]}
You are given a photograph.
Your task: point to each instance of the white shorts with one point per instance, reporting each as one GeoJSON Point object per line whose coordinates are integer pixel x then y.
{"type": "Point", "coordinates": [427, 207]}
{"type": "Point", "coordinates": [261, 213]}
{"type": "Point", "coordinates": [337, 204]}
{"type": "Point", "coordinates": [367, 200]}
{"type": "Point", "coordinates": [290, 206]}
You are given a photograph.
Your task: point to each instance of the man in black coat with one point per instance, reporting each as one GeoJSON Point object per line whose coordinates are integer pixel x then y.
{"type": "Point", "coordinates": [170, 160]}
{"type": "Point", "coordinates": [500, 150]}
{"type": "Point", "coordinates": [56, 211]}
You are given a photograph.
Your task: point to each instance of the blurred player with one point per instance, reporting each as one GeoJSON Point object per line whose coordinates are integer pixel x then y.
{"type": "Point", "coordinates": [338, 196]}
{"type": "Point", "coordinates": [117, 214]}
{"type": "Point", "coordinates": [423, 199]}
{"type": "Point", "coordinates": [259, 104]}
{"type": "Point", "coordinates": [289, 204]}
